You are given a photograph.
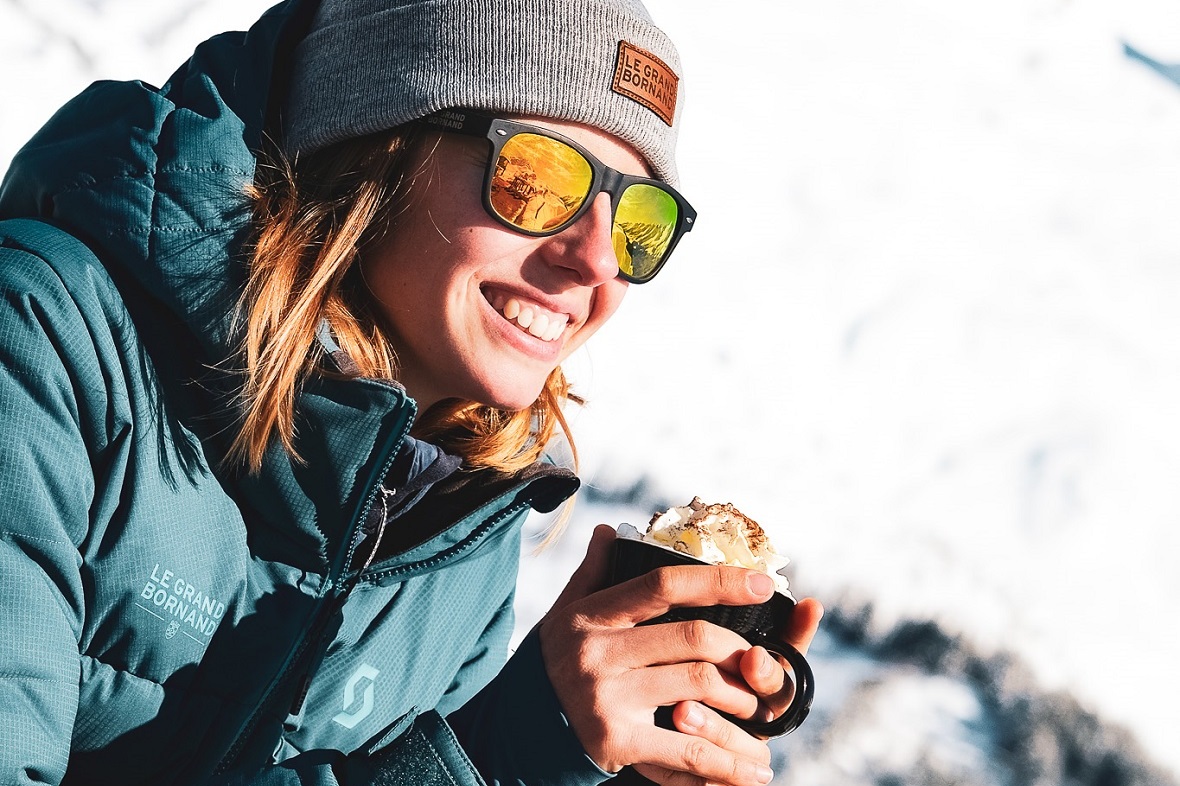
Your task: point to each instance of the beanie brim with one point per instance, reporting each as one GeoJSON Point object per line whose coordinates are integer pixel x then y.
{"type": "Point", "coordinates": [370, 71]}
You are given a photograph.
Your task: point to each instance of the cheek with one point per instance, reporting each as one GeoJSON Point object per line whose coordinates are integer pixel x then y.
{"type": "Point", "coordinates": [607, 299]}
{"type": "Point", "coordinates": [406, 293]}
{"type": "Point", "coordinates": [381, 270]}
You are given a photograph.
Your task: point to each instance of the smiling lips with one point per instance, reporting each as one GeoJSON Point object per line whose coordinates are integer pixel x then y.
{"type": "Point", "coordinates": [530, 317]}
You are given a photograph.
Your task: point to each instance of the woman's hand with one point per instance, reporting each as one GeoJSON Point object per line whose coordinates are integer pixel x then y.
{"type": "Point", "coordinates": [764, 673]}
{"type": "Point", "coordinates": [610, 675]}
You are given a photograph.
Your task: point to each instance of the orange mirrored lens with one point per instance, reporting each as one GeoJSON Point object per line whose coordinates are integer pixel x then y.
{"type": "Point", "coordinates": [539, 183]}
{"type": "Point", "coordinates": [644, 224]}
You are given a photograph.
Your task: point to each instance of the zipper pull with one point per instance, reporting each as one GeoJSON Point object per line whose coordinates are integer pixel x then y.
{"type": "Point", "coordinates": [301, 691]}
{"type": "Point", "coordinates": [386, 495]}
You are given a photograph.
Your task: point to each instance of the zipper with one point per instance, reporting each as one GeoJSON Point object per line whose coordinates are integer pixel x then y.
{"type": "Point", "coordinates": [377, 572]}
{"type": "Point", "coordinates": [467, 543]}
{"type": "Point", "coordinates": [333, 599]}
{"type": "Point", "coordinates": [304, 683]}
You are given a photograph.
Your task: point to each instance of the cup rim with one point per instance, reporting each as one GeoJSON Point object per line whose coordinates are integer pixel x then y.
{"type": "Point", "coordinates": [682, 558]}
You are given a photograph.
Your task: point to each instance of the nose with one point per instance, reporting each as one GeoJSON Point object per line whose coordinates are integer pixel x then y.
{"type": "Point", "coordinates": [586, 248]}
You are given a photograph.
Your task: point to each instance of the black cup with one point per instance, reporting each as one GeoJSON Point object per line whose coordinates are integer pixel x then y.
{"type": "Point", "coordinates": [756, 624]}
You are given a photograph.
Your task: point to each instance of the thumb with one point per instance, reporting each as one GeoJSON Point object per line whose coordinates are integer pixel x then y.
{"type": "Point", "coordinates": [592, 574]}
{"type": "Point", "coordinates": [804, 624]}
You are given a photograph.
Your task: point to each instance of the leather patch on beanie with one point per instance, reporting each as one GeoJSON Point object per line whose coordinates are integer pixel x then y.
{"type": "Point", "coordinates": [643, 77]}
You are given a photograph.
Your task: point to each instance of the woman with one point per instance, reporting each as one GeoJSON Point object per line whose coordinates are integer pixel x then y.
{"type": "Point", "coordinates": [281, 355]}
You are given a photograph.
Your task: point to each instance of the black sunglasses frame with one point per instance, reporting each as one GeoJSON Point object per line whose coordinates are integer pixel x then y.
{"type": "Point", "coordinates": [497, 131]}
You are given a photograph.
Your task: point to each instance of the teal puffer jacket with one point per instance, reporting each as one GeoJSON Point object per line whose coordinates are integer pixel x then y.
{"type": "Point", "coordinates": [343, 620]}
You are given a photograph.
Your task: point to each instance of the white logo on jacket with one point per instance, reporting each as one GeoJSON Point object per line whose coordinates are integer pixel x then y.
{"type": "Point", "coordinates": [357, 708]}
{"type": "Point", "coordinates": [187, 609]}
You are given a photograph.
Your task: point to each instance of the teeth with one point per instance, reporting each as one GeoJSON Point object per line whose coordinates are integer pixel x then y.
{"type": "Point", "coordinates": [540, 324]}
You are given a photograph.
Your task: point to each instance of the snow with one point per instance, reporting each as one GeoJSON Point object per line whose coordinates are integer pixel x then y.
{"type": "Point", "coordinates": [932, 300]}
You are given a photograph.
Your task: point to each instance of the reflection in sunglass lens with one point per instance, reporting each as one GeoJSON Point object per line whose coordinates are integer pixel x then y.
{"type": "Point", "coordinates": [644, 224]}
{"type": "Point", "coordinates": [539, 182]}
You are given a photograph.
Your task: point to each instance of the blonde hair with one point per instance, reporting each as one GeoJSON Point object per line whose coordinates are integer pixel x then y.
{"type": "Point", "coordinates": [312, 219]}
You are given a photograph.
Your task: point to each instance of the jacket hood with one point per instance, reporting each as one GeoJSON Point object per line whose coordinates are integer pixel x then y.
{"type": "Point", "coordinates": [153, 179]}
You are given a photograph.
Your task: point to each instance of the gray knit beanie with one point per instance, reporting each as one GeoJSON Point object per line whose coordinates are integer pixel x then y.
{"type": "Point", "coordinates": [369, 65]}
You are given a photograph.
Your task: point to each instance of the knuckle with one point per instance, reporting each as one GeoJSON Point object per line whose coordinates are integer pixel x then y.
{"type": "Point", "coordinates": [735, 582]}
{"type": "Point", "coordinates": [661, 582]}
{"type": "Point", "coordinates": [698, 635]}
{"type": "Point", "coordinates": [702, 676]}
{"type": "Point", "coordinates": [723, 734]}
{"type": "Point", "coordinates": [576, 620]}
{"type": "Point", "coordinates": [581, 659]}
{"type": "Point", "coordinates": [590, 650]}
{"type": "Point", "coordinates": [696, 755]}
{"type": "Point", "coordinates": [723, 581]}
{"type": "Point", "coordinates": [739, 770]}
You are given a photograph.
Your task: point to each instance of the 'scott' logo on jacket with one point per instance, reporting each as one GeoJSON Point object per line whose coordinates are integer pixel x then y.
{"type": "Point", "coordinates": [358, 696]}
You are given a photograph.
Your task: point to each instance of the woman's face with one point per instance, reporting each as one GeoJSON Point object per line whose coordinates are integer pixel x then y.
{"type": "Point", "coordinates": [457, 288]}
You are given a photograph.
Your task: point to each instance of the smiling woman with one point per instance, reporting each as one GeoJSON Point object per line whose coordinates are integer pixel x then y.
{"type": "Point", "coordinates": [446, 273]}
{"type": "Point", "coordinates": [290, 329]}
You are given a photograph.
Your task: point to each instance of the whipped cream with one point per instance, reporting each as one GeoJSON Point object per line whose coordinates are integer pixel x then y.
{"type": "Point", "coordinates": [719, 534]}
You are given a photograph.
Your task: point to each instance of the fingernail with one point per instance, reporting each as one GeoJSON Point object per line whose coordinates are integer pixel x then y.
{"type": "Point", "coordinates": [695, 718]}
{"type": "Point", "coordinates": [768, 665]}
{"type": "Point", "coordinates": [760, 584]}
{"type": "Point", "coordinates": [763, 774]}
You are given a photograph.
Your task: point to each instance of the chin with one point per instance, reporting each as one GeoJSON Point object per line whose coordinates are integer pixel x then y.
{"type": "Point", "coordinates": [512, 397]}
{"type": "Point", "coordinates": [512, 403]}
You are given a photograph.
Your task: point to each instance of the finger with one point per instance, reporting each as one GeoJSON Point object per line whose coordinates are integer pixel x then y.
{"type": "Point", "coordinates": [762, 671]}
{"type": "Point", "coordinates": [804, 623]}
{"type": "Point", "coordinates": [767, 678]}
{"type": "Point", "coordinates": [776, 690]}
{"type": "Point", "coordinates": [694, 718]}
{"type": "Point", "coordinates": [591, 574]}
{"type": "Point", "coordinates": [697, 681]}
{"type": "Point", "coordinates": [776, 685]}
{"type": "Point", "coordinates": [677, 642]}
{"type": "Point", "coordinates": [666, 777]}
{"type": "Point", "coordinates": [657, 591]}
{"type": "Point", "coordinates": [685, 753]}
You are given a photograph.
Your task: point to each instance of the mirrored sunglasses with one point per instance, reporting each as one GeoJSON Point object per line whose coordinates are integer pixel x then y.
{"type": "Point", "coordinates": [539, 182]}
